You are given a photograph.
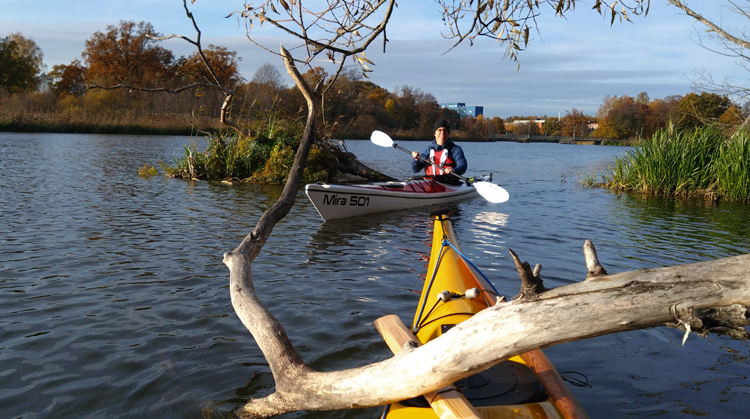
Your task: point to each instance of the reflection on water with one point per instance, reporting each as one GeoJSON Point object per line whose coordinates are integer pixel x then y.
{"type": "Point", "coordinates": [692, 231]}
{"type": "Point", "coordinates": [114, 300]}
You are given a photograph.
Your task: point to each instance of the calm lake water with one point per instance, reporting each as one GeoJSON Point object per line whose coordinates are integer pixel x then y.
{"type": "Point", "coordinates": [114, 301]}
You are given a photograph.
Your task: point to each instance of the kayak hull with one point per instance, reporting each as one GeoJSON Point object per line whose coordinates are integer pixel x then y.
{"type": "Point", "coordinates": [341, 201]}
{"type": "Point", "coordinates": [525, 386]}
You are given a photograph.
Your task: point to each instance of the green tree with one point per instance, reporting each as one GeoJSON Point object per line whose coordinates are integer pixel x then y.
{"type": "Point", "coordinates": [552, 126]}
{"type": "Point", "coordinates": [20, 63]}
{"type": "Point", "coordinates": [28, 48]}
{"type": "Point", "coordinates": [702, 109]}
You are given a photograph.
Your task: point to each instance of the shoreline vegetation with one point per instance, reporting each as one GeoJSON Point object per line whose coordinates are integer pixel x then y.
{"type": "Point", "coordinates": [699, 162]}
{"type": "Point", "coordinates": [130, 122]}
{"type": "Point", "coordinates": [134, 122]}
{"type": "Point", "coordinates": [254, 127]}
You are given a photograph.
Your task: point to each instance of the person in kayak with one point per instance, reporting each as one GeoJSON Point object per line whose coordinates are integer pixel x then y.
{"type": "Point", "coordinates": [444, 152]}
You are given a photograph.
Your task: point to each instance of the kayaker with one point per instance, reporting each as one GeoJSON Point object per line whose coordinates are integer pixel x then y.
{"type": "Point", "coordinates": [444, 152]}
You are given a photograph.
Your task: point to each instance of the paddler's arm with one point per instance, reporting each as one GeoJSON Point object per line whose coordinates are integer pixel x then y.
{"type": "Point", "coordinates": [418, 165]}
{"type": "Point", "coordinates": [460, 159]}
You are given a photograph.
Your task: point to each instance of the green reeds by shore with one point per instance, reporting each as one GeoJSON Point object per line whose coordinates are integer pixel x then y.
{"type": "Point", "coordinates": [699, 162]}
{"type": "Point", "coordinates": [266, 156]}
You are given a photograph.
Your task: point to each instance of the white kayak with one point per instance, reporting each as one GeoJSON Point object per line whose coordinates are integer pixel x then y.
{"type": "Point", "coordinates": [340, 201]}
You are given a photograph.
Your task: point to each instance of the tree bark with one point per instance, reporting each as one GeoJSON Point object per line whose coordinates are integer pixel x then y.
{"type": "Point", "coordinates": [604, 305]}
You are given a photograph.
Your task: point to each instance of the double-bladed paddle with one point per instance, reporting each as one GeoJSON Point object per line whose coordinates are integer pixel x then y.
{"type": "Point", "coordinates": [489, 191]}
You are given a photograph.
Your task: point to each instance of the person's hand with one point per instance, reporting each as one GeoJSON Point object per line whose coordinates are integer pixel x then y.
{"type": "Point", "coordinates": [448, 170]}
{"type": "Point", "coordinates": [415, 154]}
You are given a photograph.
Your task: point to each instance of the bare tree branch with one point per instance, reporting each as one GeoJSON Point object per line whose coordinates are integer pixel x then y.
{"type": "Point", "coordinates": [735, 47]}
{"type": "Point", "coordinates": [511, 22]}
{"type": "Point", "coordinates": [714, 27]}
{"type": "Point", "coordinates": [217, 83]}
{"type": "Point", "coordinates": [609, 304]}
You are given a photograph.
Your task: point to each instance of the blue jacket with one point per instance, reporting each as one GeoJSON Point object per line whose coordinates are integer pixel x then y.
{"type": "Point", "coordinates": [455, 152]}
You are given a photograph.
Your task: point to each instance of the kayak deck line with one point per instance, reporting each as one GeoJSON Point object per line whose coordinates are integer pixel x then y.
{"type": "Point", "coordinates": [414, 186]}
{"type": "Point", "coordinates": [334, 201]}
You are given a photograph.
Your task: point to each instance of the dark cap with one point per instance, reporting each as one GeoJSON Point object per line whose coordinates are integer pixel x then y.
{"type": "Point", "coordinates": [442, 123]}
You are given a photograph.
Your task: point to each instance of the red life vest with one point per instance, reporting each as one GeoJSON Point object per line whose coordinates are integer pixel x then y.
{"type": "Point", "coordinates": [442, 158]}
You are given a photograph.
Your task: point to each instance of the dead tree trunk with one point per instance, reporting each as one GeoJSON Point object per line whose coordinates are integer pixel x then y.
{"type": "Point", "coordinates": [606, 304]}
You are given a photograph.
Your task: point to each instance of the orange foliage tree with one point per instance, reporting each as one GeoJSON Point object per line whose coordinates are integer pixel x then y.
{"type": "Point", "coordinates": [127, 54]}
{"type": "Point", "coordinates": [68, 79]}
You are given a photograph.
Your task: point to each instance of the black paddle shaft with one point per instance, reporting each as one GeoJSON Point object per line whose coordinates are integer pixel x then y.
{"type": "Point", "coordinates": [396, 146]}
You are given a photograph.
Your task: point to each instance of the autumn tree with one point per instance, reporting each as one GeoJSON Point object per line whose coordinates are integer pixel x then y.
{"type": "Point", "coordinates": [68, 79]}
{"type": "Point", "coordinates": [731, 118]}
{"type": "Point", "coordinates": [622, 117]}
{"type": "Point", "coordinates": [129, 55]}
{"type": "Point", "coordinates": [225, 64]}
{"type": "Point", "coordinates": [367, 107]}
{"type": "Point", "coordinates": [358, 106]}
{"type": "Point", "coordinates": [29, 49]}
{"type": "Point", "coordinates": [660, 113]}
{"type": "Point", "coordinates": [405, 99]}
{"type": "Point", "coordinates": [474, 127]}
{"type": "Point", "coordinates": [20, 63]}
{"type": "Point", "coordinates": [497, 126]}
{"type": "Point", "coordinates": [575, 123]}
{"type": "Point", "coordinates": [525, 127]}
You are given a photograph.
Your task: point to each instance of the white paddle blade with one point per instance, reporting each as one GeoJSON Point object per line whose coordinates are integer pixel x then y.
{"type": "Point", "coordinates": [492, 192]}
{"type": "Point", "coordinates": [382, 139]}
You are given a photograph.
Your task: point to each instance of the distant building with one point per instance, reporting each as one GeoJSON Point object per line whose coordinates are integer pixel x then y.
{"type": "Point", "coordinates": [464, 110]}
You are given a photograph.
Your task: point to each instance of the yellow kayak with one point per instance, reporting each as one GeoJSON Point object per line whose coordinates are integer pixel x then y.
{"type": "Point", "coordinates": [526, 386]}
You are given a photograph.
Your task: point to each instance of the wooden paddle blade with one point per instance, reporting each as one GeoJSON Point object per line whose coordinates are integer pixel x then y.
{"type": "Point", "coordinates": [492, 192]}
{"type": "Point", "coordinates": [382, 139]}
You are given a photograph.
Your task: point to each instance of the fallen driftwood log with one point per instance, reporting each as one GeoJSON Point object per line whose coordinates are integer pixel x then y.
{"type": "Point", "coordinates": [689, 295]}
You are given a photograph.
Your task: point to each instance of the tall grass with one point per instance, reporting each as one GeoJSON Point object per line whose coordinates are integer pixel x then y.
{"type": "Point", "coordinates": [701, 162]}
{"type": "Point", "coordinates": [733, 169]}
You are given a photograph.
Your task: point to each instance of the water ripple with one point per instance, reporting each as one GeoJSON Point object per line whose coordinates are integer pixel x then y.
{"type": "Point", "coordinates": [114, 299]}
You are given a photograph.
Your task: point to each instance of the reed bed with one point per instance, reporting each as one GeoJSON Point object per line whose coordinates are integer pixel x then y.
{"type": "Point", "coordinates": [698, 162]}
{"type": "Point", "coordinates": [733, 169]}
{"type": "Point", "coordinates": [265, 156]}
{"type": "Point", "coordinates": [123, 122]}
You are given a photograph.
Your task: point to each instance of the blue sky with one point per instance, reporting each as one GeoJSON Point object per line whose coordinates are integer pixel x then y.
{"type": "Point", "coordinates": [573, 63]}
